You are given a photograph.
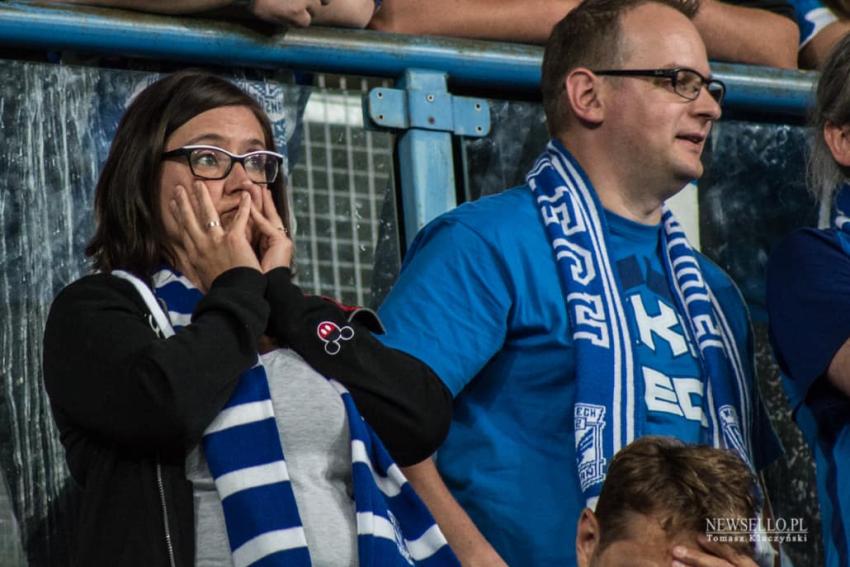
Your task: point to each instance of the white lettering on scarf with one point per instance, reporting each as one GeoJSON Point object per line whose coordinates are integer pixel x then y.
{"type": "Point", "coordinates": [589, 318]}
{"type": "Point", "coordinates": [661, 325]}
{"type": "Point", "coordinates": [677, 396]}
{"type": "Point", "coordinates": [560, 214]}
{"type": "Point", "coordinates": [582, 269]}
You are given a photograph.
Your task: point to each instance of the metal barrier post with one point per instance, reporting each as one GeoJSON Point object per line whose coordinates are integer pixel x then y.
{"type": "Point", "coordinates": [428, 116]}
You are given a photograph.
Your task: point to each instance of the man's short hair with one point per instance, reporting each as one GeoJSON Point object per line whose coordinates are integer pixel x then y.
{"type": "Point", "coordinates": [681, 486]}
{"type": "Point", "coordinates": [589, 36]}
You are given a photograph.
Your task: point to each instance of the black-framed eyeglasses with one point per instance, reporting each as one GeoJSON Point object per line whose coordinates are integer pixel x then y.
{"type": "Point", "coordinates": [686, 82]}
{"type": "Point", "coordinates": [211, 162]}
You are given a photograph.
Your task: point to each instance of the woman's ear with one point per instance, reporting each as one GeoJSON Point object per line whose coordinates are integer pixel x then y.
{"type": "Point", "coordinates": [837, 138]}
{"type": "Point", "coordinates": [581, 87]}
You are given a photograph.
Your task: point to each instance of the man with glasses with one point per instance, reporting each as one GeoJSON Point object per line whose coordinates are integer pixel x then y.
{"type": "Point", "coordinates": [569, 316]}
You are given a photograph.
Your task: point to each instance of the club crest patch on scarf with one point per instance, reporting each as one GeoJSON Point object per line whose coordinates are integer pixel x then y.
{"type": "Point", "coordinates": [732, 431]}
{"type": "Point", "coordinates": [399, 539]}
{"type": "Point", "coordinates": [589, 424]}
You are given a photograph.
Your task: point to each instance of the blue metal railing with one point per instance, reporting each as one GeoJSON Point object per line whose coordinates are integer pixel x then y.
{"type": "Point", "coordinates": [496, 66]}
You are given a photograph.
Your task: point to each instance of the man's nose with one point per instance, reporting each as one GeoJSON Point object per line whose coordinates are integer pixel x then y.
{"type": "Point", "coordinates": [706, 105]}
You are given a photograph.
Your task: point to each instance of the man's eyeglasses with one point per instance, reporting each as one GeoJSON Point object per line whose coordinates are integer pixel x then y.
{"type": "Point", "coordinates": [687, 83]}
{"type": "Point", "coordinates": [210, 162]}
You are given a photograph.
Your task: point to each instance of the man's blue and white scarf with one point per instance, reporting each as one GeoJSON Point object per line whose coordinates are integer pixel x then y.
{"type": "Point", "coordinates": [607, 412]}
{"type": "Point", "coordinates": [245, 456]}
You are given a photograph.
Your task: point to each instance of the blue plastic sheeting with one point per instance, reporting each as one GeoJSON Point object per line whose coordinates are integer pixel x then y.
{"type": "Point", "coordinates": [474, 63]}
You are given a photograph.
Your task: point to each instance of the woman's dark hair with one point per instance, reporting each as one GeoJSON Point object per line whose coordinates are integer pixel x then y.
{"type": "Point", "coordinates": [832, 105]}
{"type": "Point", "coordinates": [130, 235]}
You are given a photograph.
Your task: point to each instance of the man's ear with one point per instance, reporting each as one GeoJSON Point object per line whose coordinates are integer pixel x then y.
{"type": "Point", "coordinates": [587, 537]}
{"type": "Point", "coordinates": [582, 91]}
{"type": "Point", "coordinates": [837, 138]}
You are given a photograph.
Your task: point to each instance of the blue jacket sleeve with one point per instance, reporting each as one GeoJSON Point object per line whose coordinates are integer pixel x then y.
{"type": "Point", "coordinates": [808, 299]}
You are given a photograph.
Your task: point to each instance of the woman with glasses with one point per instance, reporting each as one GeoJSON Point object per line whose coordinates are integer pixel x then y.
{"type": "Point", "coordinates": [189, 377]}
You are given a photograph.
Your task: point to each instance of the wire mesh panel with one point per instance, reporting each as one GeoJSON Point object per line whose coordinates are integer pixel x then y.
{"type": "Point", "coordinates": [337, 190]}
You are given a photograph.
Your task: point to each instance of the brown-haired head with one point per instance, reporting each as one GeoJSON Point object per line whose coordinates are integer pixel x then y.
{"type": "Point", "coordinates": [129, 233]}
{"type": "Point", "coordinates": [589, 36]}
{"type": "Point", "coordinates": [831, 114]}
{"type": "Point", "coordinates": [683, 487]}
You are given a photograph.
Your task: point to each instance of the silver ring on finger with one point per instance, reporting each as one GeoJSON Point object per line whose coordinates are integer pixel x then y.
{"type": "Point", "coordinates": [283, 229]}
{"type": "Point", "coordinates": [212, 224]}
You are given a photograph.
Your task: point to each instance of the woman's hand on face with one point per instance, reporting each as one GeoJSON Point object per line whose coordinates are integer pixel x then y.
{"type": "Point", "coordinates": [209, 248]}
{"type": "Point", "coordinates": [275, 245]}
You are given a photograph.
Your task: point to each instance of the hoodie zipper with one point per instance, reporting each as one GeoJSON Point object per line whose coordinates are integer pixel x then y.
{"type": "Point", "coordinates": [161, 486]}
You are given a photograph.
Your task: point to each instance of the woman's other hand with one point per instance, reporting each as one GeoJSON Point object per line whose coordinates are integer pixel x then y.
{"type": "Point", "coordinates": [206, 247]}
{"type": "Point", "coordinates": [275, 245]}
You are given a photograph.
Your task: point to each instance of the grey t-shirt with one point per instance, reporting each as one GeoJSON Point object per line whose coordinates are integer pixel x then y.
{"type": "Point", "coordinates": [313, 429]}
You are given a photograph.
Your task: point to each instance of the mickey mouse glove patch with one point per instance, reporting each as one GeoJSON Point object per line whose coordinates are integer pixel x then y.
{"type": "Point", "coordinates": [332, 335]}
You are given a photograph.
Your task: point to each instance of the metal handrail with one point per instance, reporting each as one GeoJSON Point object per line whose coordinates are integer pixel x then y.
{"type": "Point", "coordinates": [481, 64]}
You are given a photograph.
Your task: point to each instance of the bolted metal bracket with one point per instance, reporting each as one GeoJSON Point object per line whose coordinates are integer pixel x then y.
{"type": "Point", "coordinates": [426, 117]}
{"type": "Point", "coordinates": [427, 109]}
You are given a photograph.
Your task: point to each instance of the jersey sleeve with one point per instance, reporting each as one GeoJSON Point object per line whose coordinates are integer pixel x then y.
{"type": "Point", "coordinates": [808, 293]}
{"type": "Point", "coordinates": [450, 305]}
{"type": "Point", "coordinates": [811, 17]}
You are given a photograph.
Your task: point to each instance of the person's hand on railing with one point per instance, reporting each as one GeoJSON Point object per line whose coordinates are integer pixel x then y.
{"type": "Point", "coordinates": [298, 13]}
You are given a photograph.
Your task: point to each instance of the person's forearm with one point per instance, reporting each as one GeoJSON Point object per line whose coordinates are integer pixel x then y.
{"type": "Point", "coordinates": [160, 6]}
{"type": "Point", "coordinates": [814, 54]}
{"type": "Point", "coordinates": [406, 404]}
{"type": "Point", "coordinates": [463, 536]}
{"type": "Point", "coordinates": [747, 35]}
{"type": "Point", "coordinates": [345, 14]}
{"type": "Point", "coordinates": [527, 21]}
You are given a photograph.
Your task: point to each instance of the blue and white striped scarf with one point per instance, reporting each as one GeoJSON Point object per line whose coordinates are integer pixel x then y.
{"type": "Point", "coordinates": [607, 394]}
{"type": "Point", "coordinates": [244, 453]}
